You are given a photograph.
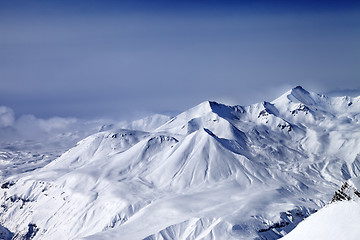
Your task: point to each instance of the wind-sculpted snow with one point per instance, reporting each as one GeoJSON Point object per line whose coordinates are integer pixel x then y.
{"type": "Point", "coordinates": [337, 220]}
{"type": "Point", "coordinates": [212, 172]}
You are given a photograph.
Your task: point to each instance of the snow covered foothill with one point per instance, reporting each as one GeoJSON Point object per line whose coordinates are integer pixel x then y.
{"type": "Point", "coordinates": [28, 143]}
{"type": "Point", "coordinates": [211, 172]}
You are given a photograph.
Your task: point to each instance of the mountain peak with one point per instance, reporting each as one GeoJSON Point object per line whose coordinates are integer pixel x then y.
{"type": "Point", "coordinates": [298, 95]}
{"type": "Point", "coordinates": [203, 106]}
{"type": "Point", "coordinates": [212, 106]}
{"type": "Point", "coordinates": [299, 88]}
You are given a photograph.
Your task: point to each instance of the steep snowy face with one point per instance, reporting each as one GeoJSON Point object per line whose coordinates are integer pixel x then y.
{"type": "Point", "coordinates": [212, 172]}
{"type": "Point", "coordinates": [337, 220]}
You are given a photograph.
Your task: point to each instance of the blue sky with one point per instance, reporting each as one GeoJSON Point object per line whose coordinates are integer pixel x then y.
{"type": "Point", "coordinates": [130, 58]}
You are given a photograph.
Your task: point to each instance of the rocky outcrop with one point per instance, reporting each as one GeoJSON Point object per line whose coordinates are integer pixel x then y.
{"type": "Point", "coordinates": [347, 192]}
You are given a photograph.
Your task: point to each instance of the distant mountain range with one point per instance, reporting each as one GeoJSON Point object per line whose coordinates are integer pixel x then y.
{"type": "Point", "coordinates": [211, 172]}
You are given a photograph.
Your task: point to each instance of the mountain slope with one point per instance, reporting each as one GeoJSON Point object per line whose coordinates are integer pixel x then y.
{"type": "Point", "coordinates": [337, 220]}
{"type": "Point", "coordinates": [212, 172]}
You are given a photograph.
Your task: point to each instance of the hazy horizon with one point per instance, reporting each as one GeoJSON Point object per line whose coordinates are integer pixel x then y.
{"type": "Point", "coordinates": [127, 59]}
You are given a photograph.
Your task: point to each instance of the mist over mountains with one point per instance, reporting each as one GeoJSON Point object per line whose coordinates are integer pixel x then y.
{"type": "Point", "coordinates": [212, 172]}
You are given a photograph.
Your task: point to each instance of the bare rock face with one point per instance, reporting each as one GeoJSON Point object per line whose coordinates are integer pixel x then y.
{"type": "Point", "coordinates": [347, 192]}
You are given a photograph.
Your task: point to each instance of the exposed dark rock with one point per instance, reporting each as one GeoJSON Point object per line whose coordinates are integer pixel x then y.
{"type": "Point", "coordinates": [301, 108]}
{"type": "Point", "coordinates": [7, 185]}
{"type": "Point", "coordinates": [263, 113]}
{"type": "Point", "coordinates": [340, 194]}
{"type": "Point", "coordinates": [289, 220]}
{"type": "Point", "coordinates": [33, 229]}
{"type": "Point", "coordinates": [30, 234]}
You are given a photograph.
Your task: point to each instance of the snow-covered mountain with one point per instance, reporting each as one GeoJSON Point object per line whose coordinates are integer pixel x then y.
{"type": "Point", "coordinates": [212, 172]}
{"type": "Point", "coordinates": [29, 143]}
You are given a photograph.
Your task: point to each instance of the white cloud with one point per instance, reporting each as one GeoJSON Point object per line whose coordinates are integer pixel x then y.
{"type": "Point", "coordinates": [56, 123]}
{"type": "Point", "coordinates": [29, 127]}
{"type": "Point", "coordinates": [6, 116]}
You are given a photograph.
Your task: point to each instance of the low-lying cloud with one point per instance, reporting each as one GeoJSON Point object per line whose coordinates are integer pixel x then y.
{"type": "Point", "coordinates": [40, 133]}
{"type": "Point", "coordinates": [6, 116]}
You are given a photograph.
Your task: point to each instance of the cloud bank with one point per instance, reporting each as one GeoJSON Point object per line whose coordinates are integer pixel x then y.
{"type": "Point", "coordinates": [30, 133]}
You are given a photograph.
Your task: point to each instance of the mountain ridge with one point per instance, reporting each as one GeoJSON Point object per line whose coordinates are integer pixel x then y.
{"type": "Point", "coordinates": [211, 172]}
